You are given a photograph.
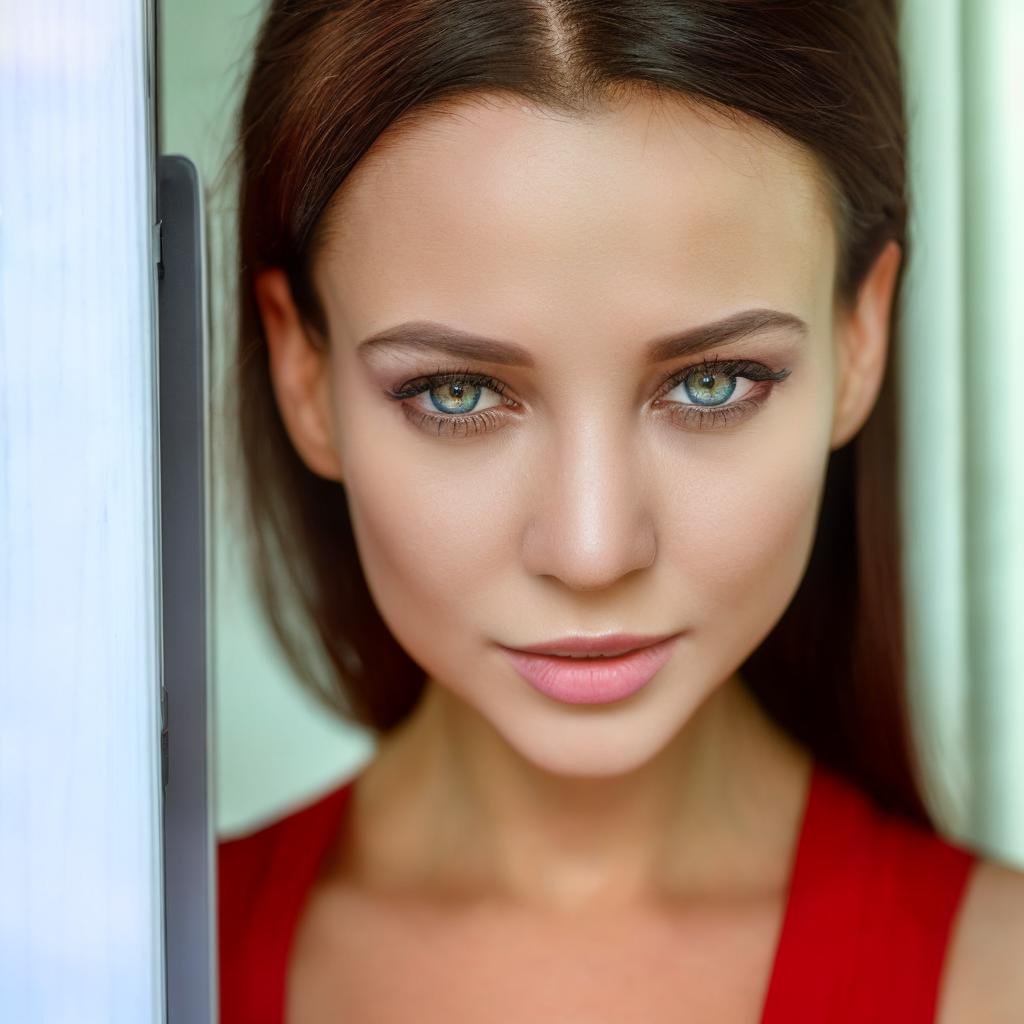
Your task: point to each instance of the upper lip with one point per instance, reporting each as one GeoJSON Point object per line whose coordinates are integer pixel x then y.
{"type": "Point", "coordinates": [607, 643]}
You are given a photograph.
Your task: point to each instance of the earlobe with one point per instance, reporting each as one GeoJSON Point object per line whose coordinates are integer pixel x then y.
{"type": "Point", "coordinates": [300, 374]}
{"type": "Point", "coordinates": [863, 337]}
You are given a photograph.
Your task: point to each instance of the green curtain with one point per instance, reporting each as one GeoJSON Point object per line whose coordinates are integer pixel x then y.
{"type": "Point", "coordinates": [961, 362]}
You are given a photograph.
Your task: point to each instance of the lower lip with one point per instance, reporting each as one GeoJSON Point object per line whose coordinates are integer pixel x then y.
{"type": "Point", "coordinates": [591, 680]}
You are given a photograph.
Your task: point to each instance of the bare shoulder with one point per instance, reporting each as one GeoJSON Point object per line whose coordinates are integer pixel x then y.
{"type": "Point", "coordinates": [982, 981]}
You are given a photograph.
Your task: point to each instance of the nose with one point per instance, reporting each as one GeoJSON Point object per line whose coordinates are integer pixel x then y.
{"type": "Point", "coordinates": [591, 522]}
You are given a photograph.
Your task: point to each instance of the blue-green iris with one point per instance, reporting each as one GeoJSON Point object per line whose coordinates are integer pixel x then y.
{"type": "Point", "coordinates": [456, 389]}
{"type": "Point", "coordinates": [706, 391]}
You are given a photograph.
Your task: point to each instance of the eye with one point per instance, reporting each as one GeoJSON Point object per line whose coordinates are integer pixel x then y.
{"type": "Point", "coordinates": [711, 394]}
{"type": "Point", "coordinates": [454, 402]}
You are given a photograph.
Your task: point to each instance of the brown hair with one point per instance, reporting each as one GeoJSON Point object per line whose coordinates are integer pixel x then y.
{"type": "Point", "coordinates": [330, 77]}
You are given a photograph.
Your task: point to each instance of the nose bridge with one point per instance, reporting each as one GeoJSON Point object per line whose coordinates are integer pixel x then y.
{"type": "Point", "coordinates": [592, 523]}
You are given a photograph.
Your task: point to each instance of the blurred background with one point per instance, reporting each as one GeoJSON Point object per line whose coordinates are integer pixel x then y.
{"type": "Point", "coordinates": [962, 361]}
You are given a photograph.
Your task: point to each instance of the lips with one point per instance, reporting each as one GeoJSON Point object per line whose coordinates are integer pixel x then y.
{"type": "Point", "coordinates": [609, 644]}
{"type": "Point", "coordinates": [592, 680]}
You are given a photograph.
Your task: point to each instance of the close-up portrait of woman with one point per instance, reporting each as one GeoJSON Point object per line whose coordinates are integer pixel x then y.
{"type": "Point", "coordinates": [567, 403]}
{"type": "Point", "coordinates": [566, 396]}
{"type": "Point", "coordinates": [510, 512]}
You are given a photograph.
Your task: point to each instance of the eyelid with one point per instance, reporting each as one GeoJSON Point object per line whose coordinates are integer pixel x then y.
{"type": "Point", "coordinates": [427, 381]}
{"type": "Point", "coordinates": [750, 369]}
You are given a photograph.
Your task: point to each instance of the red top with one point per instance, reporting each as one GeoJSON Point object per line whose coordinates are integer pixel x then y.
{"type": "Point", "coordinates": [870, 906]}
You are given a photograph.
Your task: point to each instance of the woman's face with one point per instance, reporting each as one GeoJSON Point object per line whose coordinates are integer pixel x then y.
{"type": "Point", "coordinates": [603, 489]}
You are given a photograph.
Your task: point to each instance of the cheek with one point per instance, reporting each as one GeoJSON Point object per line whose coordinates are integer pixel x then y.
{"type": "Point", "coordinates": [749, 528]}
{"type": "Point", "coordinates": [427, 527]}
{"type": "Point", "coordinates": [759, 539]}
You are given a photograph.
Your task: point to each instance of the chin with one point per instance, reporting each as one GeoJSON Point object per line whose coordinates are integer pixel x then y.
{"type": "Point", "coordinates": [595, 741]}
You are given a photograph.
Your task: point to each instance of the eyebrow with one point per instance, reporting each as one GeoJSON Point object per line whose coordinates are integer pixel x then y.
{"type": "Point", "coordinates": [427, 334]}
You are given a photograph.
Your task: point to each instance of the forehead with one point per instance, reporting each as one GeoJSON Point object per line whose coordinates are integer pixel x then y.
{"type": "Point", "coordinates": [495, 201]}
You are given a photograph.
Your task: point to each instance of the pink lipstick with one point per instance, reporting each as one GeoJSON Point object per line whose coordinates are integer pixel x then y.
{"type": "Point", "coordinates": [570, 670]}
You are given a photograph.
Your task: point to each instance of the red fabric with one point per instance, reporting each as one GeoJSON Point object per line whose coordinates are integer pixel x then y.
{"type": "Point", "coordinates": [871, 905]}
{"type": "Point", "coordinates": [869, 912]}
{"type": "Point", "coordinates": [262, 881]}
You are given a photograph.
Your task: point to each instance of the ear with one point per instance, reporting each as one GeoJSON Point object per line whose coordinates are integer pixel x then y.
{"type": "Point", "coordinates": [862, 336]}
{"type": "Point", "coordinates": [300, 374]}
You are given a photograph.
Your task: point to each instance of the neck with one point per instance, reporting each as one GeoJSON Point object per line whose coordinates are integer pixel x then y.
{"type": "Point", "coordinates": [448, 808]}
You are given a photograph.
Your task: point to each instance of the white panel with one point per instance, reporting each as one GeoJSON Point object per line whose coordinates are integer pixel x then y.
{"type": "Point", "coordinates": [80, 816]}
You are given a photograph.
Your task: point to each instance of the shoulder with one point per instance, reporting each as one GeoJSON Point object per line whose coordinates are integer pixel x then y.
{"type": "Point", "coordinates": [982, 980]}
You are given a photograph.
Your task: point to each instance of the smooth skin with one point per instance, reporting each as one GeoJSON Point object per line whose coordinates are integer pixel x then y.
{"type": "Point", "coordinates": [629, 859]}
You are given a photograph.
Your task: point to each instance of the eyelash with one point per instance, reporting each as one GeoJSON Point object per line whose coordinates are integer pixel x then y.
{"type": "Point", "coordinates": [692, 417]}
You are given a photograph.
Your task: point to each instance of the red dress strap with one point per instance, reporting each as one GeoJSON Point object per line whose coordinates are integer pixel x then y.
{"type": "Point", "coordinates": [869, 914]}
{"type": "Point", "coordinates": [263, 878]}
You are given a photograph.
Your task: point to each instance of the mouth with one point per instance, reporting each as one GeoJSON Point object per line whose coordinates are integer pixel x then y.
{"type": "Point", "coordinates": [592, 677]}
